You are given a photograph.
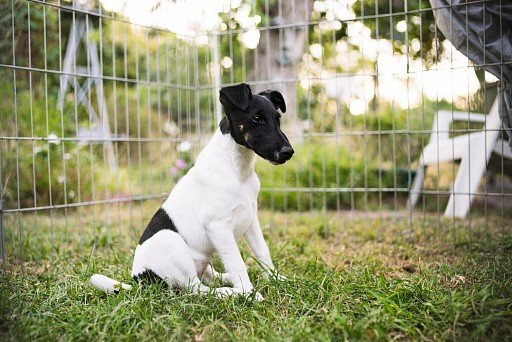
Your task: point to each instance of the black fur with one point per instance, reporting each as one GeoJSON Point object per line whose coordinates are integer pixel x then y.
{"type": "Point", "coordinates": [148, 276]}
{"type": "Point", "coordinates": [224, 125]}
{"type": "Point", "coordinates": [238, 96]}
{"type": "Point", "coordinates": [159, 222]}
{"type": "Point", "coordinates": [254, 122]}
{"type": "Point", "coordinates": [276, 98]}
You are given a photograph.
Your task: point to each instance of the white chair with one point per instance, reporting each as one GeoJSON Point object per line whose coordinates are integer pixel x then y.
{"type": "Point", "coordinates": [473, 150]}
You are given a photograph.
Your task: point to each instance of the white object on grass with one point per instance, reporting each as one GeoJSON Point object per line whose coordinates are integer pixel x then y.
{"type": "Point", "coordinates": [107, 284]}
{"type": "Point", "coordinates": [473, 150]}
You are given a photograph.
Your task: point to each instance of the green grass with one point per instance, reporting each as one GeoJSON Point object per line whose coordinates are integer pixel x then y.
{"type": "Point", "coordinates": [352, 276]}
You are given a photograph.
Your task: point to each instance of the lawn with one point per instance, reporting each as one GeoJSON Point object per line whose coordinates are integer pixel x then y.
{"type": "Point", "coordinates": [351, 276]}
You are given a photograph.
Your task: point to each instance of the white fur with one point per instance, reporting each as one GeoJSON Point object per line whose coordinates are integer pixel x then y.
{"type": "Point", "coordinates": [211, 206]}
{"type": "Point", "coordinates": [107, 284]}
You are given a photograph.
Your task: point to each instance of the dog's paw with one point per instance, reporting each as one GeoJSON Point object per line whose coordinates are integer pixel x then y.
{"type": "Point", "coordinates": [278, 277]}
{"type": "Point", "coordinates": [272, 275]}
{"type": "Point", "coordinates": [258, 297]}
{"type": "Point", "coordinates": [255, 295]}
{"type": "Point", "coordinates": [249, 294]}
{"type": "Point", "coordinates": [223, 292]}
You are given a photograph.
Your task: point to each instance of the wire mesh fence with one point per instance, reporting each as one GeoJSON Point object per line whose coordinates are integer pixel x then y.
{"type": "Point", "coordinates": [105, 106]}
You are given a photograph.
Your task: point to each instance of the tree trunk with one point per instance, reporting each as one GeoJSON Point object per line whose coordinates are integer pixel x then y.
{"type": "Point", "coordinates": [279, 52]}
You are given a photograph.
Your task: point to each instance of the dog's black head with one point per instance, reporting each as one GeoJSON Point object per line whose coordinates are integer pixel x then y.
{"type": "Point", "coordinates": [254, 122]}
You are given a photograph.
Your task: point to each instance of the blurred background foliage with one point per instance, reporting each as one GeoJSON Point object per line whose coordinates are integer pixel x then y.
{"type": "Point", "coordinates": [158, 85]}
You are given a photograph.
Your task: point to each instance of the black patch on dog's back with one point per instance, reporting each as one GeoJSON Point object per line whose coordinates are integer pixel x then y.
{"type": "Point", "coordinates": [160, 221]}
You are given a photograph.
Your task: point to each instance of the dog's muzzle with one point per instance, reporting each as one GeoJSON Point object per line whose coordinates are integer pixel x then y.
{"type": "Point", "coordinates": [283, 155]}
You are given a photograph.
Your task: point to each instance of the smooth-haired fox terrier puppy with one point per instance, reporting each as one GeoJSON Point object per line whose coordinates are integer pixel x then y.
{"type": "Point", "coordinates": [216, 202]}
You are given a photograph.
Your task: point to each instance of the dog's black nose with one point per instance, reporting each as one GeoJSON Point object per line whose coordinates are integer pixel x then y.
{"type": "Point", "coordinates": [287, 152]}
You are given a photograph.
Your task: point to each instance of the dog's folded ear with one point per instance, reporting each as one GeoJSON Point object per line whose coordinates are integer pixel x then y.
{"type": "Point", "coordinates": [237, 96]}
{"type": "Point", "coordinates": [276, 98]}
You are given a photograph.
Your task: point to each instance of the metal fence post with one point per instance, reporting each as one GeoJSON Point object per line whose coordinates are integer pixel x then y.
{"type": "Point", "coordinates": [2, 250]}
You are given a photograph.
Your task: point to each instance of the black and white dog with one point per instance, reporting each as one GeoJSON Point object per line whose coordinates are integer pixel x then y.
{"type": "Point", "coordinates": [216, 202]}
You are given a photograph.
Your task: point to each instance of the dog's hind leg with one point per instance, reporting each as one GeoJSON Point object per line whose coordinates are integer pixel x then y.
{"type": "Point", "coordinates": [167, 256]}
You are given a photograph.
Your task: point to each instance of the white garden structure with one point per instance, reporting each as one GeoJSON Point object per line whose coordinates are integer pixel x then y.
{"type": "Point", "coordinates": [473, 150]}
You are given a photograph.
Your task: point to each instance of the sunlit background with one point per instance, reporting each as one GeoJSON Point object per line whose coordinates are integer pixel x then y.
{"type": "Point", "coordinates": [403, 78]}
{"type": "Point", "coordinates": [121, 95]}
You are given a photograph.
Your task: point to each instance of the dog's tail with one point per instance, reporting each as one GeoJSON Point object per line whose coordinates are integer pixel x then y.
{"type": "Point", "coordinates": [107, 284]}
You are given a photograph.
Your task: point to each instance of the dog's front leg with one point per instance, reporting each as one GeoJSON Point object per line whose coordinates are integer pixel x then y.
{"type": "Point", "coordinates": [256, 241]}
{"type": "Point", "coordinates": [222, 237]}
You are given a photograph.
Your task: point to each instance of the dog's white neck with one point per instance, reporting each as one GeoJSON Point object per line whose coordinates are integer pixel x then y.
{"type": "Point", "coordinates": [227, 153]}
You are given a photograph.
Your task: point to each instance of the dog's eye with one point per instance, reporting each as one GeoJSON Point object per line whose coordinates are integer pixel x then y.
{"type": "Point", "coordinates": [258, 118]}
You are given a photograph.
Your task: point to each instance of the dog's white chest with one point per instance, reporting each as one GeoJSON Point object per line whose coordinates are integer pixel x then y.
{"type": "Point", "coordinates": [243, 213]}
